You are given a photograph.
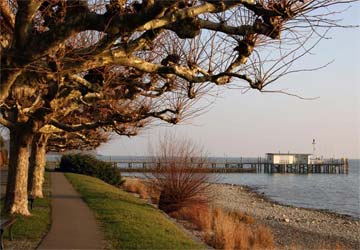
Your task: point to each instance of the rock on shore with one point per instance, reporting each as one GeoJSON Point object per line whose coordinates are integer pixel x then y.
{"type": "Point", "coordinates": [294, 228]}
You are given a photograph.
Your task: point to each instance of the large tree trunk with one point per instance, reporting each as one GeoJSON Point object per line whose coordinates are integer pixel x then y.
{"type": "Point", "coordinates": [16, 201]}
{"type": "Point", "coordinates": [37, 165]}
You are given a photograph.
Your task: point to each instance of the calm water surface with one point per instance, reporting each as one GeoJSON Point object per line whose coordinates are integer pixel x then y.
{"type": "Point", "coordinates": [339, 193]}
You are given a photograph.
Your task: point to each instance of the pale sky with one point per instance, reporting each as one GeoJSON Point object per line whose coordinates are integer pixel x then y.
{"type": "Point", "coordinates": [254, 123]}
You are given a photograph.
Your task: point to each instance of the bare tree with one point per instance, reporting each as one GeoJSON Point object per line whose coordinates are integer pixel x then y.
{"type": "Point", "coordinates": [128, 62]}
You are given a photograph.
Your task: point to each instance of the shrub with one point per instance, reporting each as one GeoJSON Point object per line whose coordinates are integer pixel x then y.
{"type": "Point", "coordinates": [89, 165]}
{"type": "Point", "coordinates": [178, 174]}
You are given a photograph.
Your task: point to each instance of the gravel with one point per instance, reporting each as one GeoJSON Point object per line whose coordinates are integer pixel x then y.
{"type": "Point", "coordinates": [295, 228]}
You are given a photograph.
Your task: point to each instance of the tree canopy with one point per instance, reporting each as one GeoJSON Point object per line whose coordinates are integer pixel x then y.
{"type": "Point", "coordinates": [57, 55]}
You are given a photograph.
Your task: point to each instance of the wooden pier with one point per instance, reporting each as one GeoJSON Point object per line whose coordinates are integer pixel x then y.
{"type": "Point", "coordinates": [327, 167]}
{"type": "Point", "coordinates": [259, 165]}
{"type": "Point", "coordinates": [208, 170]}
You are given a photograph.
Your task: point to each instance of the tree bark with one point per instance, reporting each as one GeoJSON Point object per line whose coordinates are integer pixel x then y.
{"type": "Point", "coordinates": [16, 200]}
{"type": "Point", "coordinates": [37, 165]}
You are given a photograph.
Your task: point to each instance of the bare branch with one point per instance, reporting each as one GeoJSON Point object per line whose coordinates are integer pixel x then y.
{"type": "Point", "coordinates": [6, 123]}
{"type": "Point", "coordinates": [290, 94]}
{"type": "Point", "coordinates": [7, 14]}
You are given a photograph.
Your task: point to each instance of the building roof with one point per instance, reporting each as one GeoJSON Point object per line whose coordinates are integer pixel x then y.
{"type": "Point", "coordinates": [287, 154]}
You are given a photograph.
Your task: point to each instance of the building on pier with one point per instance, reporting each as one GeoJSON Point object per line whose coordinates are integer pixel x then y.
{"type": "Point", "coordinates": [288, 158]}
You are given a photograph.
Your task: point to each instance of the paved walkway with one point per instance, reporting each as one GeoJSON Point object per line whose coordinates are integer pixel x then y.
{"type": "Point", "coordinates": [73, 224]}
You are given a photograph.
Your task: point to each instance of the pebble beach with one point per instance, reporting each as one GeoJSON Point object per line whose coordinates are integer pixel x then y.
{"type": "Point", "coordinates": [293, 228]}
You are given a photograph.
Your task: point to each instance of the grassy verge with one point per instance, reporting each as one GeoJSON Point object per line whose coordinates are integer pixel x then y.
{"type": "Point", "coordinates": [128, 222]}
{"type": "Point", "coordinates": [29, 231]}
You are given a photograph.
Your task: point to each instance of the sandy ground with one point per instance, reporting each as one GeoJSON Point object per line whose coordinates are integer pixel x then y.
{"type": "Point", "coordinates": [296, 228]}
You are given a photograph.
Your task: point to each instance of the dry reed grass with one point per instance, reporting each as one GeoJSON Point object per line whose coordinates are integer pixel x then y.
{"type": "Point", "coordinates": [136, 186]}
{"type": "Point", "coordinates": [223, 230]}
{"type": "Point", "coordinates": [145, 189]}
{"type": "Point", "coordinates": [153, 192]}
{"type": "Point", "coordinates": [198, 214]}
{"type": "Point", "coordinates": [242, 217]}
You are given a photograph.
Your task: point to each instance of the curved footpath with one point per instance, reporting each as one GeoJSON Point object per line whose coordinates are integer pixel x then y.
{"type": "Point", "coordinates": [73, 224]}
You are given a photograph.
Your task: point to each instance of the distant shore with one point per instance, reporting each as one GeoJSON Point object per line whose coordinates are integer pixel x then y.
{"type": "Point", "coordinates": [298, 228]}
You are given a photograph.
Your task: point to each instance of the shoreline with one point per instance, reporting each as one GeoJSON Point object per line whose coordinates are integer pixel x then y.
{"type": "Point", "coordinates": [263, 196]}
{"type": "Point", "coordinates": [293, 227]}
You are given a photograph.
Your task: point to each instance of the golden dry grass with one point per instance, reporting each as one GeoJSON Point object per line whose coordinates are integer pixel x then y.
{"type": "Point", "coordinates": [153, 193]}
{"type": "Point", "coordinates": [242, 217]}
{"type": "Point", "coordinates": [198, 214]}
{"type": "Point", "coordinates": [144, 189]}
{"type": "Point", "coordinates": [224, 230]}
{"type": "Point", "coordinates": [136, 186]}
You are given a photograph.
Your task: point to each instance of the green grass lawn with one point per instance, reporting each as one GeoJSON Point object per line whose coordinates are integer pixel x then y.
{"type": "Point", "coordinates": [29, 231]}
{"type": "Point", "coordinates": [128, 222]}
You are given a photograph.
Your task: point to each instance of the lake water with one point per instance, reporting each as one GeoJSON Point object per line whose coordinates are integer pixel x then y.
{"type": "Point", "coordinates": [338, 193]}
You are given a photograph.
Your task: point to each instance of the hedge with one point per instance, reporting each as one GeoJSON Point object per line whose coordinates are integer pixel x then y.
{"type": "Point", "coordinates": [89, 165]}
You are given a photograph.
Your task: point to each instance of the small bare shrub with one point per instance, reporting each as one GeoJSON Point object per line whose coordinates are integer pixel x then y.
{"type": "Point", "coordinates": [179, 174]}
